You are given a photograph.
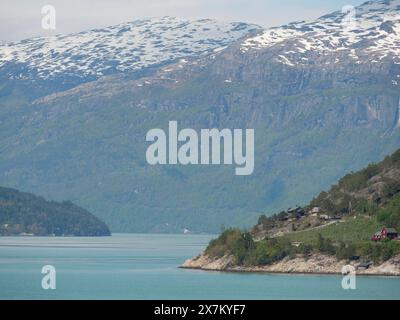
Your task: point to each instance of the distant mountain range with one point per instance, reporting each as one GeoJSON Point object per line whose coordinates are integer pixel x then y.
{"type": "Point", "coordinates": [74, 112]}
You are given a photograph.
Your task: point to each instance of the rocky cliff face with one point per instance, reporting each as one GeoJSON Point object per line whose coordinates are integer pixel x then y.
{"type": "Point", "coordinates": [318, 96]}
{"type": "Point", "coordinates": [313, 62]}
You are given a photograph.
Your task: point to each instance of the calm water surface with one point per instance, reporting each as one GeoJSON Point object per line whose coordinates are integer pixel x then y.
{"type": "Point", "coordinates": [145, 266]}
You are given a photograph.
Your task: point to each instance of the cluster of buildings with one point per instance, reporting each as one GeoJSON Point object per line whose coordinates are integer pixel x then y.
{"type": "Point", "coordinates": [298, 212]}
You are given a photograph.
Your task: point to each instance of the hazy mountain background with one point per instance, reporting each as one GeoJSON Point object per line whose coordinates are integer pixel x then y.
{"type": "Point", "coordinates": [74, 112]}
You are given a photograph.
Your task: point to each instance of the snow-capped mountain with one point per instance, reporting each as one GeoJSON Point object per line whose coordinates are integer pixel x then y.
{"type": "Point", "coordinates": [372, 34]}
{"type": "Point", "coordinates": [125, 47]}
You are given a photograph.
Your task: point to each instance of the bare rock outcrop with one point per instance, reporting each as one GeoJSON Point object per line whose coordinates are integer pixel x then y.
{"type": "Point", "coordinates": [313, 264]}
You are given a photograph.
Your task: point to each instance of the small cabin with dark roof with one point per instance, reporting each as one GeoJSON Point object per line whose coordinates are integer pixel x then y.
{"type": "Point", "coordinates": [385, 233]}
{"type": "Point", "coordinates": [296, 212]}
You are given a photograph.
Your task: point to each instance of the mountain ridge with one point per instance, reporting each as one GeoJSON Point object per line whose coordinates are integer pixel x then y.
{"type": "Point", "coordinates": [129, 46]}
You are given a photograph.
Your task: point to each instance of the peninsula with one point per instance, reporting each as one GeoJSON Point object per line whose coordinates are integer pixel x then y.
{"type": "Point", "coordinates": [354, 223]}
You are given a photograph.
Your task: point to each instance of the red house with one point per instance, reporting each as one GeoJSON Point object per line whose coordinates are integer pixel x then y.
{"type": "Point", "coordinates": [385, 233]}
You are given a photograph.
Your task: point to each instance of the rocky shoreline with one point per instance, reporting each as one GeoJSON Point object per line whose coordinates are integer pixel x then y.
{"type": "Point", "coordinates": [313, 264]}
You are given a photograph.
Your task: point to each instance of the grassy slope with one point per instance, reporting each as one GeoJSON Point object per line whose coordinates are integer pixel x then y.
{"type": "Point", "coordinates": [359, 229]}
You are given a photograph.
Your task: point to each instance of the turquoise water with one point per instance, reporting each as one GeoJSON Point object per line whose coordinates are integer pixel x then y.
{"type": "Point", "coordinates": [138, 266]}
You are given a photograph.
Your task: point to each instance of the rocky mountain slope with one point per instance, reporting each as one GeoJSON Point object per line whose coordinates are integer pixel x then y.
{"type": "Point", "coordinates": [311, 102]}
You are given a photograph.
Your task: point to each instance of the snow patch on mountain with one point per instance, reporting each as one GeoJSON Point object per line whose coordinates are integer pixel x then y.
{"type": "Point", "coordinates": [125, 47]}
{"type": "Point", "coordinates": [375, 35]}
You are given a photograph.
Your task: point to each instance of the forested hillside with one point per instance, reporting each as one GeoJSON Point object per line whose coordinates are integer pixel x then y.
{"type": "Point", "coordinates": [26, 214]}
{"type": "Point", "coordinates": [345, 219]}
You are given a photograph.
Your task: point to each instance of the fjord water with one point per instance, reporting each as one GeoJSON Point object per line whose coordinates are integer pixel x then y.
{"type": "Point", "coordinates": [145, 266]}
